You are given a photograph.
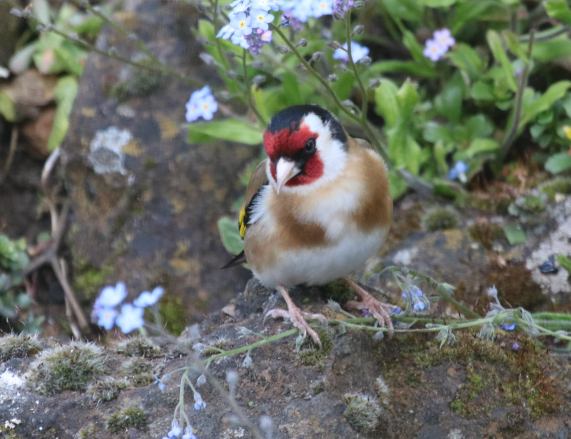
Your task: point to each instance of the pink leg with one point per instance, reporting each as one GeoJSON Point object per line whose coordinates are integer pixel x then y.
{"type": "Point", "coordinates": [379, 310]}
{"type": "Point", "coordinates": [297, 316]}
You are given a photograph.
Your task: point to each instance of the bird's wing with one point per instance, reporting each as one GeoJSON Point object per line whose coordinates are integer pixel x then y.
{"type": "Point", "coordinates": [362, 143]}
{"type": "Point", "coordinates": [257, 181]}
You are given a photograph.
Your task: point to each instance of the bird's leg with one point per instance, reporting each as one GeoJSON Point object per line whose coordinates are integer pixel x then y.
{"type": "Point", "coordinates": [379, 310]}
{"type": "Point", "coordinates": [297, 316]}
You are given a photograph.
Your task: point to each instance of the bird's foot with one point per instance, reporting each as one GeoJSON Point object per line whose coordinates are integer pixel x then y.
{"type": "Point", "coordinates": [298, 319]}
{"type": "Point", "coordinates": [379, 310]}
{"type": "Point", "coordinates": [297, 316]}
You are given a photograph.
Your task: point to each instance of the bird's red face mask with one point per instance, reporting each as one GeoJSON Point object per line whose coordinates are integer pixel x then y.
{"type": "Point", "coordinates": [294, 157]}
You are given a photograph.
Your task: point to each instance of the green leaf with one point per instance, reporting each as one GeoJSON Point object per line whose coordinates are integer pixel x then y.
{"type": "Point", "coordinates": [449, 102]}
{"type": "Point", "coordinates": [468, 12]}
{"type": "Point", "coordinates": [41, 10]}
{"type": "Point", "coordinates": [65, 93]}
{"type": "Point", "coordinates": [410, 10]}
{"type": "Point", "coordinates": [22, 59]}
{"type": "Point", "coordinates": [565, 262]}
{"type": "Point", "coordinates": [386, 103]}
{"type": "Point", "coordinates": [559, 10]}
{"type": "Point", "coordinates": [397, 186]}
{"type": "Point", "coordinates": [7, 107]}
{"type": "Point", "coordinates": [495, 43]}
{"type": "Point", "coordinates": [558, 163]}
{"type": "Point", "coordinates": [407, 97]}
{"type": "Point", "coordinates": [534, 107]}
{"type": "Point", "coordinates": [422, 70]}
{"type": "Point", "coordinates": [438, 3]}
{"type": "Point", "coordinates": [551, 50]}
{"type": "Point", "coordinates": [233, 130]}
{"type": "Point", "coordinates": [514, 234]}
{"type": "Point", "coordinates": [479, 146]}
{"type": "Point", "coordinates": [482, 91]}
{"type": "Point", "coordinates": [414, 47]}
{"type": "Point", "coordinates": [468, 60]}
{"type": "Point", "coordinates": [228, 230]}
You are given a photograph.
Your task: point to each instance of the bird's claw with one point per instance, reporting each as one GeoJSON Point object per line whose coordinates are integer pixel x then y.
{"type": "Point", "coordinates": [297, 318]}
{"type": "Point", "coordinates": [379, 310]}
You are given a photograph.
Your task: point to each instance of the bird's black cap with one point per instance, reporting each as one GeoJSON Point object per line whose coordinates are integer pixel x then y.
{"type": "Point", "coordinates": [292, 116]}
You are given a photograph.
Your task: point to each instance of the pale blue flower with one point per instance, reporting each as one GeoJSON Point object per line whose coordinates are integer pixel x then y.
{"type": "Point", "coordinates": [188, 434]}
{"type": "Point", "coordinates": [201, 104]}
{"type": "Point", "coordinates": [261, 19]}
{"type": "Point", "coordinates": [440, 43]}
{"type": "Point", "coordinates": [239, 6]}
{"type": "Point", "coordinates": [508, 326]}
{"type": "Point", "coordinates": [444, 38]}
{"type": "Point", "coordinates": [199, 403]}
{"type": "Point", "coordinates": [241, 23]}
{"type": "Point", "coordinates": [358, 52]}
{"type": "Point", "coordinates": [433, 50]}
{"type": "Point", "coordinates": [111, 296]}
{"type": "Point", "coordinates": [458, 171]}
{"type": "Point", "coordinates": [130, 318]}
{"type": "Point", "coordinates": [266, 5]}
{"type": "Point", "coordinates": [415, 299]}
{"type": "Point", "coordinates": [175, 430]}
{"type": "Point", "coordinates": [341, 7]}
{"type": "Point", "coordinates": [105, 317]}
{"type": "Point", "coordinates": [149, 298]}
{"type": "Point", "coordinates": [322, 7]}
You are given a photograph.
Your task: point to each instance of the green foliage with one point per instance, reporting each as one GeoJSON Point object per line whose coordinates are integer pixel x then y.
{"type": "Point", "coordinates": [233, 130]}
{"type": "Point", "coordinates": [53, 54]}
{"type": "Point", "coordinates": [13, 300]}
{"type": "Point", "coordinates": [228, 229]}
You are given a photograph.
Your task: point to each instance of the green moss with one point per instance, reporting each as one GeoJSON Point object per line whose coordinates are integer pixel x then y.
{"type": "Point", "coordinates": [173, 314]}
{"type": "Point", "coordinates": [18, 346]}
{"type": "Point", "coordinates": [440, 218]}
{"type": "Point", "coordinates": [90, 279]}
{"type": "Point", "coordinates": [132, 417]}
{"type": "Point", "coordinates": [495, 202]}
{"type": "Point", "coordinates": [338, 291]}
{"type": "Point", "coordinates": [486, 233]}
{"type": "Point", "coordinates": [69, 367]}
{"type": "Point", "coordinates": [138, 347]}
{"type": "Point", "coordinates": [106, 390]}
{"type": "Point", "coordinates": [497, 376]}
{"type": "Point", "coordinates": [139, 372]}
{"type": "Point", "coordinates": [141, 83]}
{"type": "Point", "coordinates": [311, 355]}
{"type": "Point", "coordinates": [88, 431]}
{"type": "Point", "coordinates": [363, 412]}
{"type": "Point", "coordinates": [557, 185]}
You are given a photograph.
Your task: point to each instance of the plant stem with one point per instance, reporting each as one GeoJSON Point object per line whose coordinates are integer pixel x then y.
{"type": "Point", "coordinates": [257, 344]}
{"type": "Point", "coordinates": [248, 89]}
{"type": "Point", "coordinates": [364, 94]}
{"type": "Point", "coordinates": [512, 133]}
{"type": "Point", "coordinates": [158, 68]}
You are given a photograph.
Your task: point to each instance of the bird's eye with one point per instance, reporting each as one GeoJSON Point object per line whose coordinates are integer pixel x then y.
{"type": "Point", "coordinates": [310, 146]}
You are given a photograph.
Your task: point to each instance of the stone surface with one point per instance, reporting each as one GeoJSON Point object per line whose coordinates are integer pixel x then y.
{"type": "Point", "coordinates": [356, 388]}
{"type": "Point", "coordinates": [154, 222]}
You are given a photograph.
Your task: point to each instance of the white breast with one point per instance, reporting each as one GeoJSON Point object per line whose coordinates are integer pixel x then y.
{"type": "Point", "coordinates": [320, 265]}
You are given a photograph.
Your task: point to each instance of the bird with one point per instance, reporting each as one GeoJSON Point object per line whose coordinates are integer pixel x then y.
{"type": "Point", "coordinates": [315, 210]}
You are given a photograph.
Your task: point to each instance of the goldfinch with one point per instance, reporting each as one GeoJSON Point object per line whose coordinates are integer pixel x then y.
{"type": "Point", "coordinates": [315, 210]}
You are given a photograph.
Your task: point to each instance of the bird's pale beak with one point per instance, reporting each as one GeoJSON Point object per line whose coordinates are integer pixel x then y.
{"type": "Point", "coordinates": [285, 171]}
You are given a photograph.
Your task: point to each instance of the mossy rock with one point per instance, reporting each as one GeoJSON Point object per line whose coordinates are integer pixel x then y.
{"type": "Point", "coordinates": [132, 417]}
{"type": "Point", "coordinates": [18, 346]}
{"type": "Point", "coordinates": [69, 367]}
